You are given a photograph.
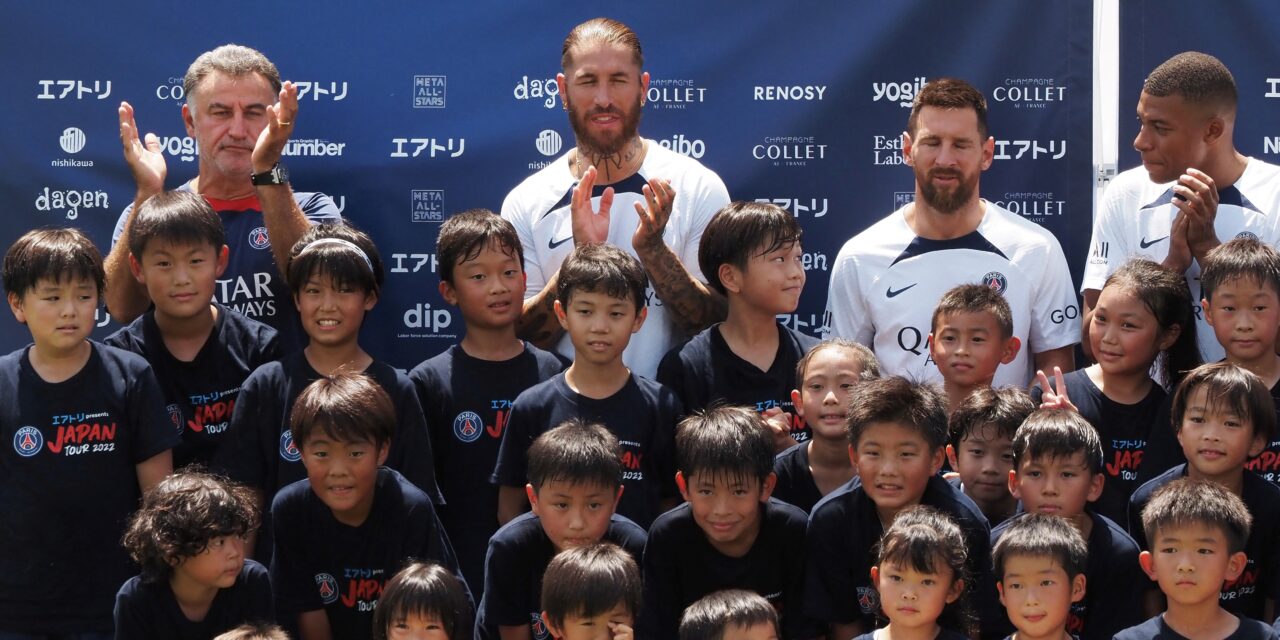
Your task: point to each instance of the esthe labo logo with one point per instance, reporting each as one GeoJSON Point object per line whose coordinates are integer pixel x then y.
{"type": "Point", "coordinates": [900, 92]}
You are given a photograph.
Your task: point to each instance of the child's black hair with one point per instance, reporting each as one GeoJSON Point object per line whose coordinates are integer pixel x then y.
{"type": "Point", "coordinates": [741, 231]}
{"type": "Point", "coordinates": [1228, 388]}
{"type": "Point", "coordinates": [714, 613]}
{"type": "Point", "coordinates": [426, 590]}
{"type": "Point", "coordinates": [602, 268]}
{"type": "Point", "coordinates": [1187, 501]}
{"type": "Point", "coordinates": [254, 631]}
{"type": "Point", "coordinates": [990, 413]}
{"type": "Point", "coordinates": [1042, 536]}
{"type": "Point", "coordinates": [927, 540]}
{"type": "Point", "coordinates": [866, 360]}
{"type": "Point", "coordinates": [178, 217]}
{"type": "Point", "coordinates": [464, 235]}
{"type": "Point", "coordinates": [974, 298]}
{"type": "Point", "coordinates": [1165, 294]}
{"type": "Point", "coordinates": [338, 251]}
{"type": "Point", "coordinates": [1240, 257]}
{"type": "Point", "coordinates": [346, 407]}
{"type": "Point", "coordinates": [918, 405]}
{"type": "Point", "coordinates": [577, 452]}
{"type": "Point", "coordinates": [724, 441]}
{"type": "Point", "coordinates": [590, 580]}
{"type": "Point", "coordinates": [1057, 433]}
{"type": "Point", "coordinates": [54, 254]}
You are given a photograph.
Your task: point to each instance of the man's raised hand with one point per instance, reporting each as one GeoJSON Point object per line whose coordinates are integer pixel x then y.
{"type": "Point", "coordinates": [589, 227]}
{"type": "Point", "coordinates": [280, 122]}
{"type": "Point", "coordinates": [146, 162]}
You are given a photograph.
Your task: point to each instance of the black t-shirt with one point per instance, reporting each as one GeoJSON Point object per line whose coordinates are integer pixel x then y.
{"type": "Point", "coordinates": [68, 483]}
{"type": "Point", "coordinates": [1124, 429]}
{"type": "Point", "coordinates": [642, 415]}
{"type": "Point", "coordinates": [1267, 464]}
{"type": "Point", "coordinates": [842, 533]}
{"type": "Point", "coordinates": [1113, 582]}
{"type": "Point", "coordinates": [466, 401]}
{"type": "Point", "coordinates": [943, 634]}
{"type": "Point", "coordinates": [1156, 629]}
{"type": "Point", "coordinates": [705, 370]}
{"type": "Point", "coordinates": [681, 566]}
{"type": "Point", "coordinates": [1246, 595]}
{"type": "Point", "coordinates": [201, 394]}
{"type": "Point", "coordinates": [320, 563]}
{"type": "Point", "coordinates": [518, 556]}
{"type": "Point", "coordinates": [151, 612]}
{"type": "Point", "coordinates": [795, 479]}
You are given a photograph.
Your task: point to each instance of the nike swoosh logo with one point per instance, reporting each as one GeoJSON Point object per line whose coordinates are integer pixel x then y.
{"type": "Point", "coordinates": [1144, 244]}
{"type": "Point", "coordinates": [890, 293]}
{"type": "Point", "coordinates": [551, 243]}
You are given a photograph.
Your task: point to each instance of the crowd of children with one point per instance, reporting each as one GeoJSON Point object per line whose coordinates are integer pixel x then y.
{"type": "Point", "coordinates": [765, 486]}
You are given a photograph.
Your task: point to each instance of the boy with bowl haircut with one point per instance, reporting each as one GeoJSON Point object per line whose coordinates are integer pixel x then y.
{"type": "Point", "coordinates": [970, 336]}
{"type": "Point", "coordinates": [346, 529]}
{"type": "Point", "coordinates": [1057, 460]}
{"type": "Point", "coordinates": [750, 253]}
{"type": "Point", "coordinates": [575, 480]}
{"type": "Point", "coordinates": [466, 392]}
{"type": "Point", "coordinates": [1039, 567]}
{"type": "Point", "coordinates": [591, 593]}
{"type": "Point", "coordinates": [732, 614]}
{"type": "Point", "coordinates": [729, 533]}
{"type": "Point", "coordinates": [201, 351]}
{"type": "Point", "coordinates": [897, 435]}
{"type": "Point", "coordinates": [1197, 531]}
{"type": "Point", "coordinates": [980, 447]}
{"type": "Point", "coordinates": [600, 304]}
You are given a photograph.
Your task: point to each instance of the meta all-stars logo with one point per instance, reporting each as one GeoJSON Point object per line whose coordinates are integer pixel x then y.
{"type": "Point", "coordinates": [76, 434]}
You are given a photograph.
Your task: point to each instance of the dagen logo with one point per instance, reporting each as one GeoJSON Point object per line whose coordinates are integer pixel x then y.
{"type": "Point", "coordinates": [544, 90]}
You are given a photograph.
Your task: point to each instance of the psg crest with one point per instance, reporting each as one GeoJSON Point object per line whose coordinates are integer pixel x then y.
{"type": "Point", "coordinates": [289, 450]}
{"type": "Point", "coordinates": [328, 588]}
{"type": "Point", "coordinates": [996, 281]}
{"type": "Point", "coordinates": [27, 441]}
{"type": "Point", "coordinates": [258, 238]}
{"type": "Point", "coordinates": [468, 426]}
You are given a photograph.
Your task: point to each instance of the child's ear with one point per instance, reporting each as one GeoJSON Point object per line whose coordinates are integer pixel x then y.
{"type": "Point", "coordinates": [383, 449]}
{"type": "Point", "coordinates": [1095, 486]}
{"type": "Point", "coordinates": [447, 292]}
{"type": "Point", "coordinates": [797, 402]}
{"type": "Point", "coordinates": [1255, 448]}
{"type": "Point", "coordinates": [853, 458]}
{"type": "Point", "coordinates": [1000, 592]}
{"type": "Point", "coordinates": [935, 463]}
{"type": "Point", "coordinates": [532, 494]}
{"type": "Point", "coordinates": [1208, 314]}
{"type": "Point", "coordinates": [1148, 565]}
{"type": "Point", "coordinates": [767, 487]}
{"type": "Point", "coordinates": [951, 457]}
{"type": "Point", "coordinates": [15, 305]}
{"type": "Point", "coordinates": [875, 577]}
{"type": "Point", "coordinates": [560, 315]}
{"type": "Point", "coordinates": [135, 267]}
{"type": "Point", "coordinates": [682, 486]}
{"type": "Point", "coordinates": [730, 277]}
{"type": "Point", "coordinates": [644, 313]}
{"type": "Point", "coordinates": [556, 632]}
{"type": "Point", "coordinates": [1013, 484]}
{"type": "Point", "coordinates": [957, 588]}
{"type": "Point", "coordinates": [370, 300]}
{"type": "Point", "coordinates": [1235, 565]}
{"type": "Point", "coordinates": [1078, 587]}
{"type": "Point", "coordinates": [1170, 336]}
{"type": "Point", "coordinates": [224, 256]}
{"type": "Point", "coordinates": [1011, 348]}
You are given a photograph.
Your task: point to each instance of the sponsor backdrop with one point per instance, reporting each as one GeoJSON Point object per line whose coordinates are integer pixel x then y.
{"type": "Point", "coordinates": [411, 112]}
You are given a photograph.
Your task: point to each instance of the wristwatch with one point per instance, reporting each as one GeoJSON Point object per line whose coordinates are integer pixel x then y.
{"type": "Point", "coordinates": [276, 175]}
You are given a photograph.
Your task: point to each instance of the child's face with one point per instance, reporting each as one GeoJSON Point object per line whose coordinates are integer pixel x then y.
{"type": "Point", "coordinates": [726, 508]}
{"type": "Point", "coordinates": [573, 513]}
{"type": "Point", "coordinates": [984, 464]}
{"type": "Point", "coordinates": [968, 347]}
{"type": "Point", "coordinates": [771, 282]}
{"type": "Point", "coordinates": [913, 599]}
{"type": "Point", "coordinates": [332, 314]}
{"type": "Point", "coordinates": [1191, 562]}
{"type": "Point", "coordinates": [760, 631]}
{"type": "Point", "coordinates": [59, 314]}
{"type": "Point", "coordinates": [343, 474]}
{"type": "Point", "coordinates": [179, 276]}
{"type": "Point", "coordinates": [1037, 594]}
{"type": "Point", "coordinates": [1124, 334]}
{"type": "Point", "coordinates": [895, 463]}
{"type": "Point", "coordinates": [599, 325]}
{"type": "Point", "coordinates": [217, 566]}
{"type": "Point", "coordinates": [489, 289]}
{"type": "Point", "coordinates": [417, 626]}
{"type": "Point", "coordinates": [1059, 486]}
{"type": "Point", "coordinates": [1215, 441]}
{"type": "Point", "coordinates": [1245, 316]}
{"type": "Point", "coordinates": [824, 393]}
{"type": "Point", "coordinates": [615, 623]}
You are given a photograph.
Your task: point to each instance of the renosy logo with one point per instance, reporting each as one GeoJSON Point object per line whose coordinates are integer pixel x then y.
{"type": "Point", "coordinates": [429, 92]}
{"type": "Point", "coordinates": [426, 205]}
{"type": "Point", "coordinates": [900, 92]}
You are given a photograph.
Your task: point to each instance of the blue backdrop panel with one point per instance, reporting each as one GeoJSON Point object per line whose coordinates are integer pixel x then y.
{"type": "Point", "coordinates": [411, 111]}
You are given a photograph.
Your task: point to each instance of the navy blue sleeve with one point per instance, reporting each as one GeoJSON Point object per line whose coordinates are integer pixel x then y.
{"type": "Point", "coordinates": [134, 612]}
{"type": "Point", "coordinates": [1116, 602]}
{"type": "Point", "coordinates": [524, 421]}
{"type": "Point", "coordinates": [153, 431]}
{"type": "Point", "coordinates": [260, 605]}
{"type": "Point", "coordinates": [664, 442]}
{"type": "Point", "coordinates": [291, 584]}
{"type": "Point", "coordinates": [245, 457]}
{"type": "Point", "coordinates": [671, 373]}
{"type": "Point", "coordinates": [830, 591]}
{"type": "Point", "coordinates": [661, 605]}
{"type": "Point", "coordinates": [411, 444]}
{"type": "Point", "coordinates": [508, 591]}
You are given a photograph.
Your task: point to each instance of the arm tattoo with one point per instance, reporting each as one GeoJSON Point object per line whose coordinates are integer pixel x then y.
{"type": "Point", "coordinates": [538, 324]}
{"type": "Point", "coordinates": [695, 306]}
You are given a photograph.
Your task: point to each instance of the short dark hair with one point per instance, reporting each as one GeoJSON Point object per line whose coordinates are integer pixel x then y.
{"type": "Point", "coordinates": [180, 217]}
{"type": "Point", "coordinates": [1240, 257]}
{"type": "Point", "coordinates": [714, 613]}
{"type": "Point", "coordinates": [56, 254]}
{"type": "Point", "coordinates": [949, 93]}
{"type": "Point", "coordinates": [254, 631]}
{"type": "Point", "coordinates": [725, 441]}
{"type": "Point", "coordinates": [426, 590]}
{"type": "Point", "coordinates": [339, 251]}
{"type": "Point", "coordinates": [1165, 294]}
{"type": "Point", "coordinates": [577, 452]}
{"type": "Point", "coordinates": [347, 407]}
{"type": "Point", "coordinates": [1041, 535]}
{"type": "Point", "coordinates": [928, 541]}
{"type": "Point", "coordinates": [1198, 77]}
{"type": "Point", "coordinates": [1057, 433]}
{"type": "Point", "coordinates": [606, 30]}
{"type": "Point", "coordinates": [1186, 501]}
{"type": "Point", "coordinates": [740, 231]}
{"type": "Point", "coordinates": [993, 412]}
{"type": "Point", "coordinates": [1229, 387]}
{"type": "Point", "coordinates": [590, 580]}
{"type": "Point", "coordinates": [464, 235]}
{"type": "Point", "coordinates": [181, 514]}
{"type": "Point", "coordinates": [858, 353]}
{"type": "Point", "coordinates": [974, 298]}
{"type": "Point", "coordinates": [602, 268]}
{"type": "Point", "coordinates": [911, 403]}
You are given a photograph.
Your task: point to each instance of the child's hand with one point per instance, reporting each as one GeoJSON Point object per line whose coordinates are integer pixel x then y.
{"type": "Point", "coordinates": [1054, 397]}
{"type": "Point", "coordinates": [620, 631]}
{"type": "Point", "coordinates": [779, 423]}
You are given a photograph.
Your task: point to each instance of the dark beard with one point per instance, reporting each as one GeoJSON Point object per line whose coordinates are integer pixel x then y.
{"type": "Point", "coordinates": [605, 148]}
{"type": "Point", "coordinates": [945, 201]}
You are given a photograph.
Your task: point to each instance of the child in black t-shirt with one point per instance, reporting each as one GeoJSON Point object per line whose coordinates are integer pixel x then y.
{"type": "Point", "coordinates": [259, 631]}
{"type": "Point", "coordinates": [1198, 530]}
{"type": "Point", "coordinates": [341, 533]}
{"type": "Point", "coordinates": [729, 533]}
{"type": "Point", "coordinates": [1223, 416]}
{"type": "Point", "coordinates": [731, 614]}
{"type": "Point", "coordinates": [422, 602]}
{"type": "Point", "coordinates": [85, 433]}
{"type": "Point", "coordinates": [574, 483]}
{"type": "Point", "coordinates": [1057, 461]}
{"type": "Point", "coordinates": [600, 303]}
{"type": "Point", "coordinates": [897, 434]}
{"type": "Point", "coordinates": [750, 253]}
{"type": "Point", "coordinates": [189, 538]}
{"type": "Point", "coordinates": [467, 391]}
{"type": "Point", "coordinates": [1039, 567]}
{"type": "Point", "coordinates": [970, 337]}
{"type": "Point", "coordinates": [824, 376]}
{"type": "Point", "coordinates": [591, 592]}
{"type": "Point", "coordinates": [201, 351]}
{"type": "Point", "coordinates": [980, 446]}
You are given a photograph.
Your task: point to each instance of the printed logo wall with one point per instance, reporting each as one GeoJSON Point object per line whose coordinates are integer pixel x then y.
{"type": "Point", "coordinates": [412, 113]}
